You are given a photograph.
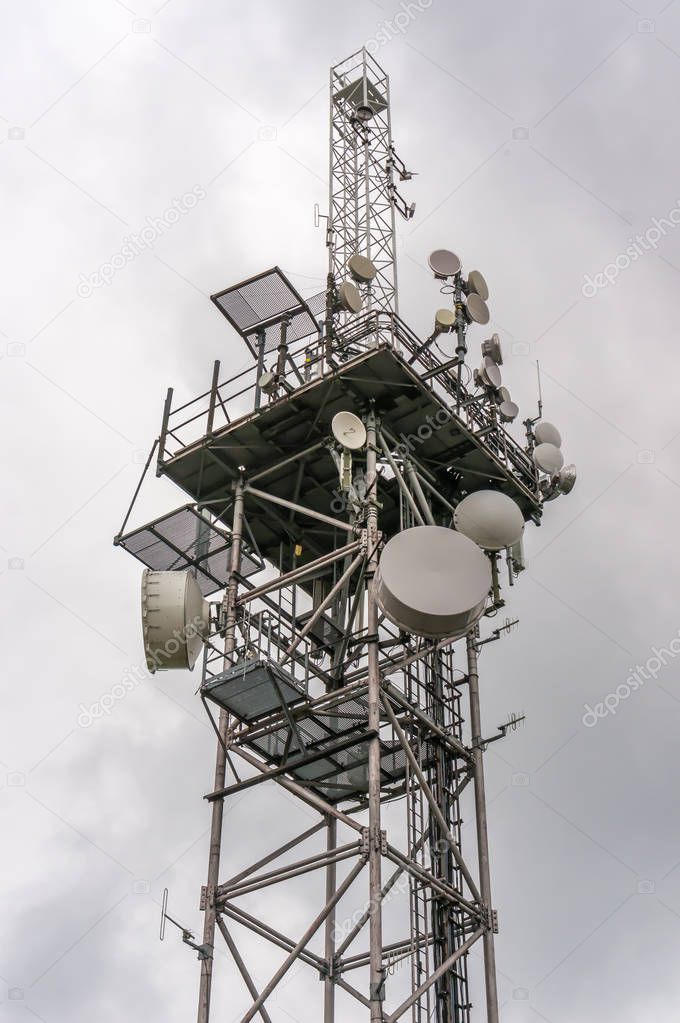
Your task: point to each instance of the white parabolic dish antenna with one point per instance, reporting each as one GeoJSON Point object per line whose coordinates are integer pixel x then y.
{"type": "Point", "coordinates": [348, 430]}
{"type": "Point", "coordinates": [477, 309]}
{"type": "Point", "coordinates": [361, 268]}
{"type": "Point", "coordinates": [548, 458]}
{"type": "Point", "coordinates": [433, 581]}
{"type": "Point", "coordinates": [493, 520]}
{"type": "Point", "coordinates": [175, 619]}
{"type": "Point", "coordinates": [349, 297]}
{"type": "Point", "coordinates": [478, 285]}
{"type": "Point", "coordinates": [489, 373]}
{"type": "Point", "coordinates": [444, 263]}
{"type": "Point", "coordinates": [546, 433]}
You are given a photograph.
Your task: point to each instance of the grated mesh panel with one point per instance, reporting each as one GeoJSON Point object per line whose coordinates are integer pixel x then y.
{"type": "Point", "coordinates": [269, 296]}
{"type": "Point", "coordinates": [183, 539]}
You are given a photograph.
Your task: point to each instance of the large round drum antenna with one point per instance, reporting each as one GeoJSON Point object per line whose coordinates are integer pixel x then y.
{"type": "Point", "coordinates": [175, 619]}
{"type": "Point", "coordinates": [477, 310]}
{"type": "Point", "coordinates": [433, 581]}
{"type": "Point", "coordinates": [444, 263]}
{"type": "Point", "coordinates": [548, 458]}
{"type": "Point", "coordinates": [477, 285]}
{"type": "Point", "coordinates": [361, 268]}
{"type": "Point", "coordinates": [444, 321]}
{"type": "Point", "coordinates": [546, 433]}
{"type": "Point", "coordinates": [348, 430]}
{"type": "Point", "coordinates": [493, 520]}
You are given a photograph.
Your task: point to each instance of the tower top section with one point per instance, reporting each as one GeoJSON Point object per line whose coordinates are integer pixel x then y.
{"type": "Point", "coordinates": [363, 195]}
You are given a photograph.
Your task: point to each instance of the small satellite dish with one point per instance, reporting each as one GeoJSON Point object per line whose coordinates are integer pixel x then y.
{"type": "Point", "coordinates": [477, 285]}
{"type": "Point", "coordinates": [433, 581]}
{"type": "Point", "coordinates": [489, 373]}
{"type": "Point", "coordinates": [503, 394]}
{"type": "Point", "coordinates": [444, 264]}
{"type": "Point", "coordinates": [348, 430]}
{"type": "Point", "coordinates": [444, 320]}
{"type": "Point", "coordinates": [567, 479]}
{"type": "Point", "coordinates": [508, 410]}
{"type": "Point", "coordinates": [492, 348]}
{"type": "Point", "coordinates": [493, 520]}
{"type": "Point", "coordinates": [349, 298]}
{"type": "Point", "coordinates": [546, 433]}
{"type": "Point", "coordinates": [361, 268]}
{"type": "Point", "coordinates": [175, 619]}
{"type": "Point", "coordinates": [267, 382]}
{"type": "Point", "coordinates": [477, 310]}
{"type": "Point", "coordinates": [548, 458]}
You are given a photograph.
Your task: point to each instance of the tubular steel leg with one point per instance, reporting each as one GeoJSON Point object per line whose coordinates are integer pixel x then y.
{"type": "Point", "coordinates": [482, 836]}
{"type": "Point", "coordinates": [329, 948]}
{"type": "Point", "coordinates": [220, 767]}
{"type": "Point", "coordinates": [376, 976]}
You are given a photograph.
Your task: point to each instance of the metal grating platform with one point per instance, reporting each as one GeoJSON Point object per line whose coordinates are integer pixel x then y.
{"type": "Point", "coordinates": [260, 304]}
{"type": "Point", "coordinates": [326, 749]}
{"type": "Point", "coordinates": [253, 689]}
{"type": "Point", "coordinates": [183, 539]}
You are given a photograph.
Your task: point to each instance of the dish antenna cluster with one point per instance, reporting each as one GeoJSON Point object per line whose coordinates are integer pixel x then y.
{"type": "Point", "coordinates": [557, 478]}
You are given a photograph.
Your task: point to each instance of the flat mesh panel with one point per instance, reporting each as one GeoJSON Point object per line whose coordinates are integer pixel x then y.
{"type": "Point", "coordinates": [248, 690]}
{"type": "Point", "coordinates": [183, 539]}
{"type": "Point", "coordinates": [269, 296]}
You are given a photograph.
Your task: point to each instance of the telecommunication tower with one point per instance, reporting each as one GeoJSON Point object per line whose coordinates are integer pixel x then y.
{"type": "Point", "coordinates": [354, 498]}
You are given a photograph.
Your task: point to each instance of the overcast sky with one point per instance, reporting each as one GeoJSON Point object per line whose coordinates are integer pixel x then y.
{"type": "Point", "coordinates": [546, 137]}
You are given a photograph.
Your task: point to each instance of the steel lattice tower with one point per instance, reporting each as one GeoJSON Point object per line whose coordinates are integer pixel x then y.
{"type": "Point", "coordinates": [307, 682]}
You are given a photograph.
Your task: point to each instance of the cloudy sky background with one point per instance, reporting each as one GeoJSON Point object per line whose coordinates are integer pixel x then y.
{"type": "Point", "coordinates": [546, 136]}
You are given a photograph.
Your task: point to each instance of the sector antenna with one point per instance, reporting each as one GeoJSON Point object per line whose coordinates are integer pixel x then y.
{"type": "Point", "coordinates": [353, 505]}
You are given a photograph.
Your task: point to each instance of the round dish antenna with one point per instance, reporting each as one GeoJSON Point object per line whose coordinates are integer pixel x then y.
{"type": "Point", "coordinates": [444, 320]}
{"type": "Point", "coordinates": [492, 348]}
{"type": "Point", "coordinates": [548, 458]}
{"type": "Point", "coordinates": [433, 581]}
{"type": "Point", "coordinates": [348, 430]}
{"type": "Point", "coordinates": [349, 298]}
{"type": "Point", "coordinates": [546, 433]}
{"type": "Point", "coordinates": [361, 268]}
{"type": "Point", "coordinates": [444, 263]}
{"type": "Point", "coordinates": [477, 285]}
{"type": "Point", "coordinates": [567, 479]}
{"type": "Point", "coordinates": [489, 373]}
{"type": "Point", "coordinates": [493, 520]}
{"type": "Point", "coordinates": [508, 410]}
{"type": "Point", "coordinates": [477, 310]}
{"type": "Point", "coordinates": [504, 394]}
{"type": "Point", "coordinates": [175, 619]}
